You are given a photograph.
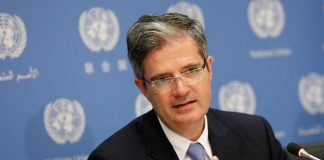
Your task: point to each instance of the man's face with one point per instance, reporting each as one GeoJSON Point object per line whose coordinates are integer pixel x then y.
{"type": "Point", "coordinates": [185, 103]}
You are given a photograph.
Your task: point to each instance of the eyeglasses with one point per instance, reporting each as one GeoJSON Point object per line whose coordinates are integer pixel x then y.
{"type": "Point", "coordinates": [164, 84]}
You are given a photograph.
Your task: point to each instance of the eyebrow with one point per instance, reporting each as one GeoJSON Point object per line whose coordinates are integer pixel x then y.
{"type": "Point", "coordinates": [167, 74]}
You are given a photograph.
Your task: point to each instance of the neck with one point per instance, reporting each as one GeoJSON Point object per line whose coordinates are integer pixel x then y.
{"type": "Point", "coordinates": [191, 131]}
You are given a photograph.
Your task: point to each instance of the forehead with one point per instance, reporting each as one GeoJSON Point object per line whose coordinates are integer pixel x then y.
{"type": "Point", "coordinates": [176, 54]}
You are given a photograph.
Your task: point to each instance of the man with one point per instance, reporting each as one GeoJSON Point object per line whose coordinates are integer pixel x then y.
{"type": "Point", "coordinates": [170, 60]}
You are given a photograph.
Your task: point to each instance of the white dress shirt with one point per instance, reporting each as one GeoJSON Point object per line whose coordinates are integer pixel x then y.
{"type": "Point", "coordinates": [181, 144]}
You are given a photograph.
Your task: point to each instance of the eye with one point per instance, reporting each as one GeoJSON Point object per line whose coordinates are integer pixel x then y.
{"type": "Point", "coordinates": [191, 73]}
{"type": "Point", "coordinates": [161, 81]}
{"type": "Point", "coordinates": [192, 70]}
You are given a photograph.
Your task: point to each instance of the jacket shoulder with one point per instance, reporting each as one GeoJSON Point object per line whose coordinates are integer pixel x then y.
{"type": "Point", "coordinates": [235, 119]}
{"type": "Point", "coordinates": [125, 143]}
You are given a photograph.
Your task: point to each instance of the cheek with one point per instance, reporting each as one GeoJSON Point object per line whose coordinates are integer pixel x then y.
{"type": "Point", "coordinates": [205, 91]}
{"type": "Point", "coordinates": [158, 101]}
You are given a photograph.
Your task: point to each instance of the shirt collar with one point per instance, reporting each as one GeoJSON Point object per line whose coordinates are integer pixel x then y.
{"type": "Point", "coordinates": [181, 144]}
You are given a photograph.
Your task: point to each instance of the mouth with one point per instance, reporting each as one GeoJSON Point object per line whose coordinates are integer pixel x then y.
{"type": "Point", "coordinates": [184, 105]}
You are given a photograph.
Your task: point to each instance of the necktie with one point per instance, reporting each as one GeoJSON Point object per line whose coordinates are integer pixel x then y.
{"type": "Point", "coordinates": [196, 151]}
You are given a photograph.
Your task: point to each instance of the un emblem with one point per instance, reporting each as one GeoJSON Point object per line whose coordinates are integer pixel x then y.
{"type": "Point", "coordinates": [237, 96]}
{"type": "Point", "coordinates": [99, 29]}
{"type": "Point", "coordinates": [189, 9]}
{"type": "Point", "coordinates": [311, 93]}
{"type": "Point", "coordinates": [142, 105]}
{"type": "Point", "coordinates": [266, 17]}
{"type": "Point", "coordinates": [12, 36]}
{"type": "Point", "coordinates": [64, 121]}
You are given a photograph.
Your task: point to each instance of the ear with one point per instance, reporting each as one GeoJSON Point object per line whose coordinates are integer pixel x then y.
{"type": "Point", "coordinates": [210, 68]}
{"type": "Point", "coordinates": [140, 85]}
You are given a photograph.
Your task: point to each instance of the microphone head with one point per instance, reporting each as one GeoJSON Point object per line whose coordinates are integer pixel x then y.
{"type": "Point", "coordinates": [294, 148]}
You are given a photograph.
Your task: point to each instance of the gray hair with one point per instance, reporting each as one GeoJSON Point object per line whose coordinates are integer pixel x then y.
{"type": "Point", "coordinates": [152, 32]}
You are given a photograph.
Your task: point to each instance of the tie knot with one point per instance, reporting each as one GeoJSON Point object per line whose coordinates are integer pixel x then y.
{"type": "Point", "coordinates": [196, 151]}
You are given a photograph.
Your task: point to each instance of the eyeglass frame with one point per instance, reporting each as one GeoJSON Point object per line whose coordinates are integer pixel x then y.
{"type": "Point", "coordinates": [173, 79]}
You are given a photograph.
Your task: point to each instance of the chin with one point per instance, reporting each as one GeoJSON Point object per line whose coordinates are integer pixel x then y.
{"type": "Point", "coordinates": [189, 118]}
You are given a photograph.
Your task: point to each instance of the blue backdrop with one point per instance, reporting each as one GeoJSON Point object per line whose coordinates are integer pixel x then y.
{"type": "Point", "coordinates": [66, 83]}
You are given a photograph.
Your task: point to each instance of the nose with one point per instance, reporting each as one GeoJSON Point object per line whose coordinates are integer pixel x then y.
{"type": "Point", "coordinates": [180, 87]}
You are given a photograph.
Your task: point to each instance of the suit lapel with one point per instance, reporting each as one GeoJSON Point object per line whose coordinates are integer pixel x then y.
{"type": "Point", "coordinates": [158, 146]}
{"type": "Point", "coordinates": [222, 142]}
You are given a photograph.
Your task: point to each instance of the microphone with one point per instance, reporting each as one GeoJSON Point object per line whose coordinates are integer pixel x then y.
{"type": "Point", "coordinates": [299, 151]}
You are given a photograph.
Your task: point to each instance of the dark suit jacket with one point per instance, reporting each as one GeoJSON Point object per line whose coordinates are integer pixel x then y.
{"type": "Point", "coordinates": [232, 136]}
